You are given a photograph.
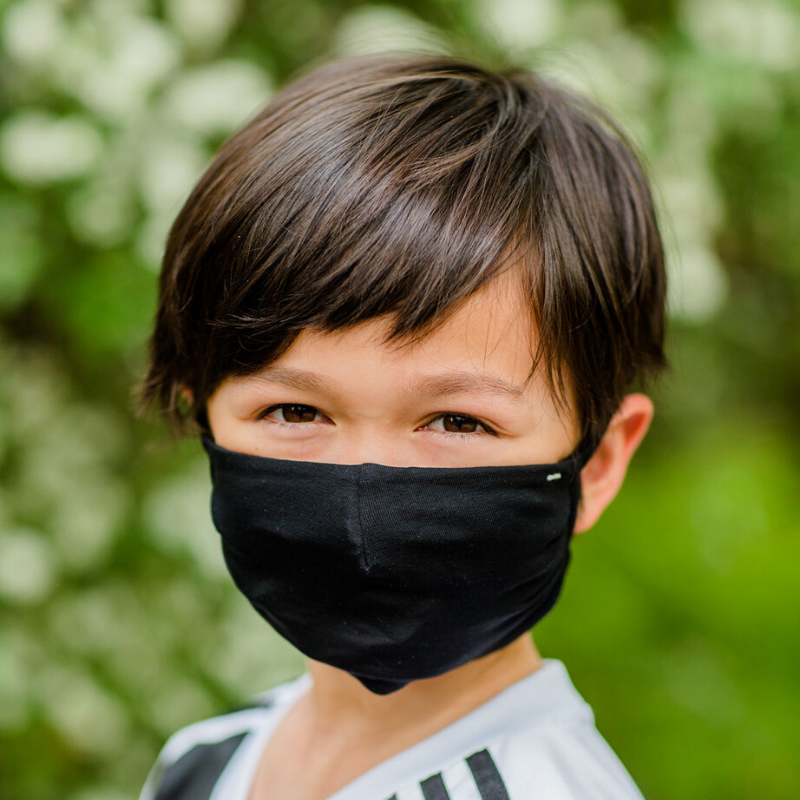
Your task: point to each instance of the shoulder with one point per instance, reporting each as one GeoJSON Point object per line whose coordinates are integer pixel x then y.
{"type": "Point", "coordinates": [548, 765]}
{"type": "Point", "coordinates": [192, 761]}
{"type": "Point", "coordinates": [538, 742]}
{"type": "Point", "coordinates": [560, 754]}
{"type": "Point", "coordinates": [562, 762]}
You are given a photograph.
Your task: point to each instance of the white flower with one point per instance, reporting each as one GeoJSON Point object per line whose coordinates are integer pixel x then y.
{"type": "Point", "coordinates": [38, 147]}
{"type": "Point", "coordinates": [764, 32]}
{"type": "Point", "coordinates": [217, 98]}
{"type": "Point", "coordinates": [112, 69]}
{"type": "Point", "coordinates": [204, 23]}
{"type": "Point", "coordinates": [27, 571]}
{"type": "Point", "coordinates": [375, 29]}
{"type": "Point", "coordinates": [521, 24]}
{"type": "Point", "coordinates": [32, 30]}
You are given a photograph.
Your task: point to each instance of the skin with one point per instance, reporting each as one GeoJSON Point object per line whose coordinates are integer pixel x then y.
{"type": "Point", "coordinates": [460, 397]}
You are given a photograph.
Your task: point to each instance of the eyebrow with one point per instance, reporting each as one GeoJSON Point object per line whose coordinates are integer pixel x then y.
{"type": "Point", "coordinates": [293, 379]}
{"type": "Point", "coordinates": [466, 383]}
{"type": "Point", "coordinates": [450, 383]}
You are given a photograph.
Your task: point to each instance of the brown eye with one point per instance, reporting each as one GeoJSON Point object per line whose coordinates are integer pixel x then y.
{"type": "Point", "coordinates": [454, 423]}
{"type": "Point", "coordinates": [296, 413]}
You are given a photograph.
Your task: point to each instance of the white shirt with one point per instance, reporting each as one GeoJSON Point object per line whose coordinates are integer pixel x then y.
{"type": "Point", "coordinates": [536, 740]}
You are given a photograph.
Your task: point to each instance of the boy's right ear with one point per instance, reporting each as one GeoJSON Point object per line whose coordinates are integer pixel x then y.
{"type": "Point", "coordinates": [199, 415]}
{"type": "Point", "coordinates": [185, 401]}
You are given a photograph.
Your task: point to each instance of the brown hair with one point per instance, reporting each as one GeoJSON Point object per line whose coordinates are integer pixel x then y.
{"type": "Point", "coordinates": [401, 186]}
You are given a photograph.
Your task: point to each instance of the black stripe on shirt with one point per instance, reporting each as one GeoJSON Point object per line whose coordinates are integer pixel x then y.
{"type": "Point", "coordinates": [433, 788]}
{"type": "Point", "coordinates": [194, 775]}
{"type": "Point", "coordinates": [487, 777]}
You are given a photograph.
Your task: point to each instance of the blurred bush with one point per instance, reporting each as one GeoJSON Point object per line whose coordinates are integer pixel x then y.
{"type": "Point", "coordinates": [119, 623]}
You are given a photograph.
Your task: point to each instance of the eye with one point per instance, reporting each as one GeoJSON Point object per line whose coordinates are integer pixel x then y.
{"type": "Point", "coordinates": [292, 413]}
{"type": "Point", "coordinates": [459, 424]}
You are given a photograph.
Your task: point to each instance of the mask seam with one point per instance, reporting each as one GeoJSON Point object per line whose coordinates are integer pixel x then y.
{"type": "Point", "coordinates": [364, 553]}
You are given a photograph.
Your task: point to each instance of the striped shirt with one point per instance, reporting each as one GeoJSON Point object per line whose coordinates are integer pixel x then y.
{"type": "Point", "coordinates": [536, 740]}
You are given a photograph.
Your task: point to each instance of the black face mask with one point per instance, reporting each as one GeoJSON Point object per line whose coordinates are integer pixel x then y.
{"type": "Point", "coordinates": [395, 573]}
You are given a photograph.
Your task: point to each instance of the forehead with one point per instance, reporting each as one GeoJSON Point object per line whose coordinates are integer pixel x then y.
{"type": "Point", "coordinates": [489, 340]}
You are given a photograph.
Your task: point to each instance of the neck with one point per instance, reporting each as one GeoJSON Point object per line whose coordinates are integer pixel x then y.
{"type": "Point", "coordinates": [339, 701]}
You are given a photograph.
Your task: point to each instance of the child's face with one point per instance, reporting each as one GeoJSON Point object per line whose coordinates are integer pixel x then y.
{"type": "Point", "coordinates": [459, 398]}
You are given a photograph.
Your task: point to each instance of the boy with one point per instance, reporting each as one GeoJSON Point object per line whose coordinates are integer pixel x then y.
{"type": "Point", "coordinates": [403, 307]}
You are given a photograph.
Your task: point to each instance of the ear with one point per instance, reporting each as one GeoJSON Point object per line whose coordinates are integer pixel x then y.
{"type": "Point", "coordinates": [603, 474]}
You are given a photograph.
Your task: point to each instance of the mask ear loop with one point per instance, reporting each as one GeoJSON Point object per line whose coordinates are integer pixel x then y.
{"type": "Point", "coordinates": [586, 447]}
{"type": "Point", "coordinates": [580, 457]}
{"type": "Point", "coordinates": [585, 450]}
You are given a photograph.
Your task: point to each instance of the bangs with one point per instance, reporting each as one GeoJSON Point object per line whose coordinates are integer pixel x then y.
{"type": "Point", "coordinates": [405, 211]}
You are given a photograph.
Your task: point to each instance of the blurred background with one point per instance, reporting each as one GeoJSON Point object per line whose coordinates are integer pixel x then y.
{"type": "Point", "coordinates": [118, 622]}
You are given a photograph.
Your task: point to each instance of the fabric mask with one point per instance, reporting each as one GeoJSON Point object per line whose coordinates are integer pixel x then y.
{"type": "Point", "coordinates": [395, 574]}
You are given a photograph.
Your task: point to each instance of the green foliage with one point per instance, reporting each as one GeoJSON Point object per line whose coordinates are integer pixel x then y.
{"type": "Point", "coordinates": [119, 623]}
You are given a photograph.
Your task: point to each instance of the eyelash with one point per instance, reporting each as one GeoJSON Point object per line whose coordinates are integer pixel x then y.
{"type": "Point", "coordinates": [267, 411]}
{"type": "Point", "coordinates": [487, 429]}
